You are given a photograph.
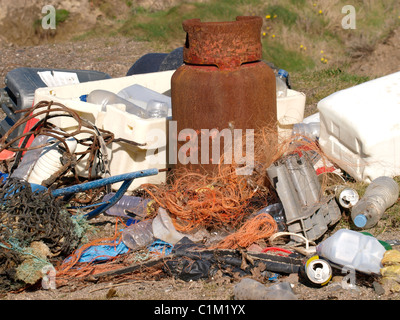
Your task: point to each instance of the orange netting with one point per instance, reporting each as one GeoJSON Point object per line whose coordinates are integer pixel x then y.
{"type": "Point", "coordinates": [260, 227]}
{"type": "Point", "coordinates": [72, 268]}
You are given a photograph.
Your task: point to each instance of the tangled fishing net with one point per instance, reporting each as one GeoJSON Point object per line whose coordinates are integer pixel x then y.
{"type": "Point", "coordinates": [34, 228]}
{"type": "Point", "coordinates": [226, 200]}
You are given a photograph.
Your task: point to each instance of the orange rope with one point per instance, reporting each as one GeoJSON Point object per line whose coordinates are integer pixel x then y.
{"type": "Point", "coordinates": [71, 267]}
{"type": "Point", "coordinates": [260, 227]}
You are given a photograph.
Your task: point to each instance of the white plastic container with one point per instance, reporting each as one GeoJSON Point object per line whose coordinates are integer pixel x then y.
{"type": "Point", "coordinates": [124, 158]}
{"type": "Point", "coordinates": [49, 161]}
{"type": "Point", "coordinates": [290, 110]}
{"type": "Point", "coordinates": [360, 128]}
{"type": "Point", "coordinates": [353, 249]}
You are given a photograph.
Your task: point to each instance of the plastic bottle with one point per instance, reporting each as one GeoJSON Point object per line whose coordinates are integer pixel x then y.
{"type": "Point", "coordinates": [29, 158]}
{"type": "Point", "coordinates": [310, 130]}
{"type": "Point", "coordinates": [49, 161]}
{"type": "Point", "coordinates": [353, 249]}
{"type": "Point", "coordinates": [250, 289]}
{"type": "Point", "coordinates": [136, 205]}
{"type": "Point", "coordinates": [281, 86]}
{"type": "Point", "coordinates": [382, 193]}
{"type": "Point", "coordinates": [157, 109]}
{"type": "Point", "coordinates": [142, 97]}
{"type": "Point", "coordinates": [138, 235]}
{"type": "Point", "coordinates": [277, 212]}
{"type": "Point", "coordinates": [104, 97]}
{"type": "Point", "coordinates": [164, 229]}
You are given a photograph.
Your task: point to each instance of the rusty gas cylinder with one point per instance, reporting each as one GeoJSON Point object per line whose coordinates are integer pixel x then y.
{"type": "Point", "coordinates": [223, 90]}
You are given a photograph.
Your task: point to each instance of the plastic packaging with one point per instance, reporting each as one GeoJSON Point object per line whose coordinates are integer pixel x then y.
{"type": "Point", "coordinates": [281, 86]}
{"type": "Point", "coordinates": [382, 193]}
{"type": "Point", "coordinates": [136, 205]}
{"type": "Point", "coordinates": [49, 161]}
{"type": "Point", "coordinates": [104, 98]}
{"type": "Point", "coordinates": [29, 158]}
{"type": "Point", "coordinates": [147, 98]}
{"type": "Point", "coordinates": [138, 235]}
{"type": "Point", "coordinates": [353, 249]}
{"type": "Point", "coordinates": [164, 229]}
{"type": "Point", "coordinates": [310, 130]}
{"type": "Point", "coordinates": [249, 289]}
{"type": "Point", "coordinates": [277, 212]}
{"type": "Point", "coordinates": [157, 109]}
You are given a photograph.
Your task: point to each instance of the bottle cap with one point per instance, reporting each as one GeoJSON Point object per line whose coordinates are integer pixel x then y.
{"type": "Point", "coordinates": [360, 220]}
{"type": "Point", "coordinates": [283, 73]}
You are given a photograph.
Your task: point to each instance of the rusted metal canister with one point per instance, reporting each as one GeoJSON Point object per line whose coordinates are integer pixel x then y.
{"type": "Point", "coordinates": [222, 85]}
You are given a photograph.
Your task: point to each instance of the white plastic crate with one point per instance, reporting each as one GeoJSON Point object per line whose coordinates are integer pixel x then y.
{"type": "Point", "coordinates": [360, 128]}
{"type": "Point", "coordinates": [123, 157]}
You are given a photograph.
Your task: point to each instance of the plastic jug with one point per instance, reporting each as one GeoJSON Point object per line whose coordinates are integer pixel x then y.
{"type": "Point", "coordinates": [353, 249]}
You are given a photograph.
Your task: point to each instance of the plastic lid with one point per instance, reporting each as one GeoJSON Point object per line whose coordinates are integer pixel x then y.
{"type": "Point", "coordinates": [283, 73]}
{"type": "Point", "coordinates": [360, 220]}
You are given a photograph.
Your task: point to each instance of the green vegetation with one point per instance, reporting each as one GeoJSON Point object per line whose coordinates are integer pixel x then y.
{"type": "Point", "coordinates": [305, 37]}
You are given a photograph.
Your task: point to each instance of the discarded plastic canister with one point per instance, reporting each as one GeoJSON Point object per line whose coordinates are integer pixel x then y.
{"type": "Point", "coordinates": [354, 250]}
{"type": "Point", "coordinates": [50, 159]}
{"type": "Point", "coordinates": [346, 197]}
{"type": "Point", "coordinates": [223, 85]}
{"type": "Point", "coordinates": [138, 235]}
{"type": "Point", "coordinates": [281, 86]}
{"type": "Point", "coordinates": [381, 194]}
{"type": "Point", "coordinates": [318, 271]}
{"type": "Point", "coordinates": [127, 206]}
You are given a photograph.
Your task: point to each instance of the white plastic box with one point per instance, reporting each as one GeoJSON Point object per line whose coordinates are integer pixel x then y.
{"type": "Point", "coordinates": [360, 128]}
{"type": "Point", "coordinates": [124, 158]}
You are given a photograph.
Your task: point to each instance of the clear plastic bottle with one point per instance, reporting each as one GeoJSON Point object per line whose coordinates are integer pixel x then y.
{"type": "Point", "coordinates": [277, 211]}
{"type": "Point", "coordinates": [281, 86]}
{"type": "Point", "coordinates": [138, 235]}
{"type": "Point", "coordinates": [157, 109]}
{"type": "Point", "coordinates": [310, 130]}
{"type": "Point", "coordinates": [382, 193]}
{"type": "Point", "coordinates": [250, 289]}
{"type": "Point", "coordinates": [137, 205]}
{"type": "Point", "coordinates": [142, 97]}
{"type": "Point", "coordinates": [353, 249]}
{"type": "Point", "coordinates": [29, 159]}
{"type": "Point", "coordinates": [104, 97]}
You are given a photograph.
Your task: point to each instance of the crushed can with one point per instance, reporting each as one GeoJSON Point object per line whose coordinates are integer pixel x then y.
{"type": "Point", "coordinates": [317, 272]}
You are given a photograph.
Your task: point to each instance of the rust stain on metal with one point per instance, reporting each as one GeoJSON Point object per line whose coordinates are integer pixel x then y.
{"type": "Point", "coordinates": [223, 84]}
{"type": "Point", "coordinates": [239, 44]}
